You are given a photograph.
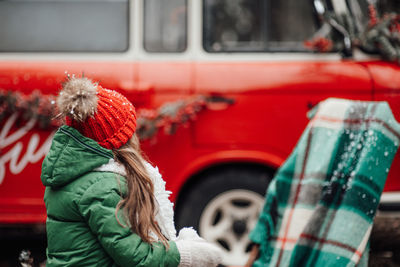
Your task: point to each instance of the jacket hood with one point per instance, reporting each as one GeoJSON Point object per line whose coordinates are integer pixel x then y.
{"type": "Point", "coordinates": [71, 155]}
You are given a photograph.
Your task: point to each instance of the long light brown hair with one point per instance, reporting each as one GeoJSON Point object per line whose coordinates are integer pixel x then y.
{"type": "Point", "coordinates": [139, 204]}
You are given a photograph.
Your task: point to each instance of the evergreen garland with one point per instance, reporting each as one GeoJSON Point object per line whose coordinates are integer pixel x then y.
{"type": "Point", "coordinates": [33, 106]}
{"type": "Point", "coordinates": [168, 117]}
{"type": "Point", "coordinates": [380, 36]}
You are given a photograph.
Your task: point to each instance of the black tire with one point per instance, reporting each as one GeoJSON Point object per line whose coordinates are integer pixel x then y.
{"type": "Point", "coordinates": [211, 185]}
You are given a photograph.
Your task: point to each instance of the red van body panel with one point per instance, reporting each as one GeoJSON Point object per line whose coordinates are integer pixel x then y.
{"type": "Point", "coordinates": [386, 87]}
{"type": "Point", "coordinates": [271, 101]}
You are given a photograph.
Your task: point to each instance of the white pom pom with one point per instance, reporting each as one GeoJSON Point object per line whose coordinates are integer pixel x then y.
{"type": "Point", "coordinates": [78, 99]}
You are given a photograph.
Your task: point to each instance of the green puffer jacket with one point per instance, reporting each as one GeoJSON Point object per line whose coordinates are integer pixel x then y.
{"type": "Point", "coordinates": [82, 229]}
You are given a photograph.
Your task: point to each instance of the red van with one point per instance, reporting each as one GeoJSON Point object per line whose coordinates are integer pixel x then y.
{"type": "Point", "coordinates": [157, 52]}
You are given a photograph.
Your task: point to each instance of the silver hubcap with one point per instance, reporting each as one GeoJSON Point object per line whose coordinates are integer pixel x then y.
{"type": "Point", "coordinates": [227, 221]}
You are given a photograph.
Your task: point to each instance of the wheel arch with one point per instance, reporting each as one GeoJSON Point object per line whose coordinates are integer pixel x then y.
{"type": "Point", "coordinates": [197, 177]}
{"type": "Point", "coordinates": [217, 160]}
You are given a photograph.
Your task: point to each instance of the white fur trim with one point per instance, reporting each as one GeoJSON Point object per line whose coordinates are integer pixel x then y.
{"type": "Point", "coordinates": [112, 166]}
{"type": "Point", "coordinates": [165, 212]}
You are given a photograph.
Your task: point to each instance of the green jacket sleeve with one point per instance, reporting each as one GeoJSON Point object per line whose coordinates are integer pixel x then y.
{"type": "Point", "coordinates": [98, 206]}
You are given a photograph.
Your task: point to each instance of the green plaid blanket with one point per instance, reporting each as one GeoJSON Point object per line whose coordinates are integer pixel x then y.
{"type": "Point", "coordinates": [320, 206]}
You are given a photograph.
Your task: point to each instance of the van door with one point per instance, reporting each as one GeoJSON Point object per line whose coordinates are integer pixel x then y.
{"type": "Point", "coordinates": [255, 53]}
{"type": "Point", "coordinates": [386, 80]}
{"type": "Point", "coordinates": [164, 64]}
{"type": "Point", "coordinates": [165, 68]}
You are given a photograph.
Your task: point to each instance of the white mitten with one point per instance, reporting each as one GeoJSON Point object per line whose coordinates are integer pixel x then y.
{"type": "Point", "coordinates": [195, 251]}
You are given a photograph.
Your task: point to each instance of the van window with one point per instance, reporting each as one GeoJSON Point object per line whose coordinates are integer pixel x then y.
{"type": "Point", "coordinates": [360, 10]}
{"type": "Point", "coordinates": [165, 25]}
{"type": "Point", "coordinates": [257, 25]}
{"type": "Point", "coordinates": [64, 25]}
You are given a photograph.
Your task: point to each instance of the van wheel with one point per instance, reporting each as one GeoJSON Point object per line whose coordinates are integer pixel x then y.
{"type": "Point", "coordinates": [224, 207]}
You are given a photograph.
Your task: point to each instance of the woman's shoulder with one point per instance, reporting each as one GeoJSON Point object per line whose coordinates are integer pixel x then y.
{"type": "Point", "coordinates": [103, 181]}
{"type": "Point", "coordinates": [96, 183]}
{"type": "Point", "coordinates": [107, 176]}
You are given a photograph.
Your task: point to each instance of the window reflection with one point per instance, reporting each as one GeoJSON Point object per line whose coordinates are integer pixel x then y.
{"type": "Point", "coordinates": [64, 26]}
{"type": "Point", "coordinates": [257, 25]}
{"type": "Point", "coordinates": [165, 25]}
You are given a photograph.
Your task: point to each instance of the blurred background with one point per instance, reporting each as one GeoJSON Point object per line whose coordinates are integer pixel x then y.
{"type": "Point", "coordinates": [222, 89]}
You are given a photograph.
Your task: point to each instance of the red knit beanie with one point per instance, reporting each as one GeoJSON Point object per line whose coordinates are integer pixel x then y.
{"type": "Point", "coordinates": [101, 114]}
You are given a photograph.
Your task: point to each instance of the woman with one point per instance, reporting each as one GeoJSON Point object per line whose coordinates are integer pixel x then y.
{"type": "Point", "coordinates": [106, 206]}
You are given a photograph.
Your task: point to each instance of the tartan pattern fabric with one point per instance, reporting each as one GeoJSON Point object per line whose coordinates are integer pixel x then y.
{"type": "Point", "coordinates": [320, 206]}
